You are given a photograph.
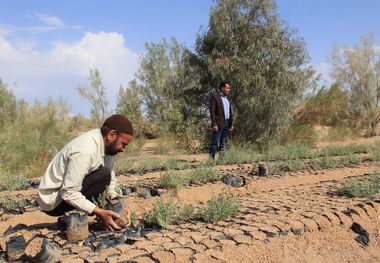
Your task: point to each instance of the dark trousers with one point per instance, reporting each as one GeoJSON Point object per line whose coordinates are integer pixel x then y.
{"type": "Point", "coordinates": [219, 140]}
{"type": "Point", "coordinates": [93, 185]}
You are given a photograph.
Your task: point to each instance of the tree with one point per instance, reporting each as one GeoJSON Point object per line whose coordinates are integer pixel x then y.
{"type": "Point", "coordinates": [327, 106]}
{"type": "Point", "coordinates": [8, 105]}
{"type": "Point", "coordinates": [247, 44]}
{"type": "Point", "coordinates": [159, 80]}
{"type": "Point", "coordinates": [129, 104]}
{"type": "Point", "coordinates": [358, 69]}
{"type": "Point", "coordinates": [96, 95]}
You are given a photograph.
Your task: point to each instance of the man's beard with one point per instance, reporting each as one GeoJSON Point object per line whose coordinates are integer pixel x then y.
{"type": "Point", "coordinates": [110, 149]}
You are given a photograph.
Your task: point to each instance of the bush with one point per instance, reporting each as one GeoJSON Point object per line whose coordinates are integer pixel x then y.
{"type": "Point", "coordinates": [162, 214]}
{"type": "Point", "coordinates": [273, 151]}
{"type": "Point", "coordinates": [204, 175]}
{"type": "Point", "coordinates": [350, 159]}
{"type": "Point", "coordinates": [341, 132]}
{"type": "Point", "coordinates": [238, 154]}
{"type": "Point", "coordinates": [13, 182]}
{"type": "Point", "coordinates": [8, 203]}
{"type": "Point", "coordinates": [366, 188]}
{"type": "Point", "coordinates": [374, 152]}
{"type": "Point", "coordinates": [221, 208]}
{"type": "Point", "coordinates": [324, 163]}
{"type": "Point", "coordinates": [172, 180]}
{"type": "Point", "coordinates": [300, 133]}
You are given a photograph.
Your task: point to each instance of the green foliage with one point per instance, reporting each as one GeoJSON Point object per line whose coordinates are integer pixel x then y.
{"type": "Point", "coordinates": [203, 175]}
{"type": "Point", "coordinates": [187, 212]}
{"type": "Point", "coordinates": [134, 219]}
{"type": "Point", "coordinates": [129, 103]}
{"type": "Point", "coordinates": [96, 96]}
{"type": "Point", "coordinates": [123, 165]}
{"type": "Point", "coordinates": [325, 107]}
{"type": "Point", "coordinates": [324, 162]}
{"type": "Point", "coordinates": [343, 150]}
{"type": "Point", "coordinates": [300, 133]}
{"type": "Point", "coordinates": [8, 105]}
{"type": "Point", "coordinates": [375, 152]}
{"type": "Point", "coordinates": [350, 159]}
{"type": "Point", "coordinates": [295, 165]}
{"type": "Point", "coordinates": [238, 154]}
{"type": "Point", "coordinates": [221, 208]}
{"type": "Point", "coordinates": [158, 80]}
{"type": "Point", "coordinates": [358, 70]}
{"type": "Point", "coordinates": [367, 187]}
{"type": "Point", "coordinates": [102, 200]}
{"type": "Point", "coordinates": [162, 214]}
{"type": "Point", "coordinates": [30, 142]}
{"type": "Point", "coordinates": [248, 44]}
{"type": "Point", "coordinates": [13, 182]}
{"type": "Point", "coordinates": [296, 150]}
{"type": "Point", "coordinates": [341, 133]}
{"type": "Point", "coordinates": [8, 203]}
{"type": "Point", "coordinates": [173, 180]}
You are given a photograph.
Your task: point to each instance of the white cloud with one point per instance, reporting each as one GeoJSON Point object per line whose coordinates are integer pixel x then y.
{"type": "Point", "coordinates": [50, 20]}
{"type": "Point", "coordinates": [35, 74]}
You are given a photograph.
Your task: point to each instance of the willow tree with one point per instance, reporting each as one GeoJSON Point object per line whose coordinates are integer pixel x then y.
{"type": "Point", "coordinates": [129, 103]}
{"type": "Point", "coordinates": [247, 44]}
{"type": "Point", "coordinates": [96, 96]}
{"type": "Point", "coordinates": [159, 80]}
{"type": "Point", "coordinates": [358, 70]}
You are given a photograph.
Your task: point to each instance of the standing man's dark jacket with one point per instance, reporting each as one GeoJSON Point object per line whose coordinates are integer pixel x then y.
{"type": "Point", "coordinates": [217, 111]}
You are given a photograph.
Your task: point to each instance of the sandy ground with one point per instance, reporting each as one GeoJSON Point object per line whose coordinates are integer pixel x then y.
{"type": "Point", "coordinates": [287, 217]}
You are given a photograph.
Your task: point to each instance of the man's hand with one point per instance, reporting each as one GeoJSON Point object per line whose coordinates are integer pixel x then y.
{"type": "Point", "coordinates": [231, 128]}
{"type": "Point", "coordinates": [215, 128]}
{"type": "Point", "coordinates": [107, 217]}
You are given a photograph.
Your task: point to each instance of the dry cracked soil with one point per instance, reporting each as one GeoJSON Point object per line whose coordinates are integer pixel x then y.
{"type": "Point", "coordinates": [286, 217]}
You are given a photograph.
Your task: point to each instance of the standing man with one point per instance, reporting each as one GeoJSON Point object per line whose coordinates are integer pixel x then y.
{"type": "Point", "coordinates": [221, 118]}
{"type": "Point", "coordinates": [83, 169]}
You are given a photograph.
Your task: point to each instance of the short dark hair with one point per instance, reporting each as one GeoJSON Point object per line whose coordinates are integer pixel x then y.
{"type": "Point", "coordinates": [105, 129]}
{"type": "Point", "coordinates": [223, 84]}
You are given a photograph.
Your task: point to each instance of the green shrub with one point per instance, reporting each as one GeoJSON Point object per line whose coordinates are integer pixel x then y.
{"type": "Point", "coordinates": [187, 212]}
{"type": "Point", "coordinates": [327, 162]}
{"type": "Point", "coordinates": [365, 188]}
{"type": "Point", "coordinates": [350, 159]}
{"type": "Point", "coordinates": [300, 133]}
{"type": "Point", "coordinates": [343, 150]}
{"type": "Point", "coordinates": [295, 165]}
{"type": "Point", "coordinates": [13, 182]}
{"type": "Point", "coordinates": [204, 175]}
{"type": "Point", "coordinates": [221, 208]}
{"type": "Point", "coordinates": [147, 164]}
{"type": "Point", "coordinates": [134, 219]}
{"type": "Point", "coordinates": [290, 151]}
{"type": "Point", "coordinates": [173, 180]}
{"type": "Point", "coordinates": [162, 214]}
{"type": "Point", "coordinates": [8, 203]}
{"type": "Point", "coordinates": [341, 133]}
{"type": "Point", "coordinates": [102, 200]}
{"type": "Point", "coordinates": [238, 154]}
{"type": "Point", "coordinates": [374, 152]}
{"type": "Point", "coordinates": [122, 164]}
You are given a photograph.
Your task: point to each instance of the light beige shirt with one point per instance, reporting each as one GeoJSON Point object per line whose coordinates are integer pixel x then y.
{"type": "Point", "coordinates": [64, 176]}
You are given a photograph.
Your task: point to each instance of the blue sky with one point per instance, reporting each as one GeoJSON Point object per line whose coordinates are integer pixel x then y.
{"type": "Point", "coordinates": [47, 47]}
